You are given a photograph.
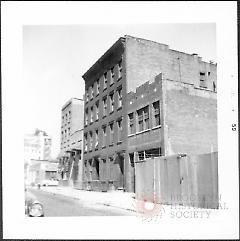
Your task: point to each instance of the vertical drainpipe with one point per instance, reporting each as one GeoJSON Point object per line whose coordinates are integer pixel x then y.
{"type": "Point", "coordinates": [179, 69]}
{"type": "Point", "coordinates": [164, 128]}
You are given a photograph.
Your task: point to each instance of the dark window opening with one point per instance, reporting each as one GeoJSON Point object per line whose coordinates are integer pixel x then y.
{"type": "Point", "coordinates": [131, 158]}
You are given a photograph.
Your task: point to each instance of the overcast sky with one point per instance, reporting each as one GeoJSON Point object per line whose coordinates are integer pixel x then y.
{"type": "Point", "coordinates": [56, 57]}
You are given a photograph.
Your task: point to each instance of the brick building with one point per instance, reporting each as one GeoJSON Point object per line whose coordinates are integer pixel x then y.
{"type": "Point", "coordinates": [141, 96]}
{"type": "Point", "coordinates": [70, 158]}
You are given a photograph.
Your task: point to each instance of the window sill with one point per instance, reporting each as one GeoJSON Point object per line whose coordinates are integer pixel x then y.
{"type": "Point", "coordinates": [156, 127]}
{"type": "Point", "coordinates": [111, 144]}
{"type": "Point", "coordinates": [111, 112]}
{"type": "Point", "coordinates": [119, 78]}
{"type": "Point", "coordinates": [133, 134]}
{"type": "Point", "coordinates": [119, 108]}
{"type": "Point", "coordinates": [119, 142]}
{"type": "Point", "coordinates": [104, 116]}
{"type": "Point", "coordinates": [140, 132]}
{"type": "Point", "coordinates": [104, 88]}
{"type": "Point", "coordinates": [103, 147]}
{"type": "Point", "coordinates": [111, 83]}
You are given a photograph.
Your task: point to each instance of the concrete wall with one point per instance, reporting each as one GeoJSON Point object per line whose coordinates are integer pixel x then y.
{"type": "Point", "coordinates": [190, 119]}
{"type": "Point", "coordinates": [179, 180]}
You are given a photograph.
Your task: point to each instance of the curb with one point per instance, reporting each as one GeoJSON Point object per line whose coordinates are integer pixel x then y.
{"type": "Point", "coordinates": [89, 202]}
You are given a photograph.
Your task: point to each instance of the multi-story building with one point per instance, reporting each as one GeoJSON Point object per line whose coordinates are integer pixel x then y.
{"type": "Point", "coordinates": [71, 142]}
{"type": "Point", "coordinates": [171, 88]}
{"type": "Point", "coordinates": [37, 146]}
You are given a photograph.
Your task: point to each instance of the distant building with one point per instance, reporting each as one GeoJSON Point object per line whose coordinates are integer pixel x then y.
{"type": "Point", "coordinates": [37, 146]}
{"type": "Point", "coordinates": [40, 170]}
{"type": "Point", "coordinates": [141, 96]}
{"type": "Point", "coordinates": [71, 142]}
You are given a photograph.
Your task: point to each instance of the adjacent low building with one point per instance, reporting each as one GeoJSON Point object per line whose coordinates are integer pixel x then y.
{"type": "Point", "coordinates": [142, 96]}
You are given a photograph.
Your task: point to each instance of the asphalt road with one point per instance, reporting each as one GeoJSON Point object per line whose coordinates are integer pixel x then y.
{"type": "Point", "coordinates": [56, 205]}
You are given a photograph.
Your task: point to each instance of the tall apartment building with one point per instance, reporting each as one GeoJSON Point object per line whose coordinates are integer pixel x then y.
{"type": "Point", "coordinates": [71, 141]}
{"type": "Point", "coordinates": [141, 96]}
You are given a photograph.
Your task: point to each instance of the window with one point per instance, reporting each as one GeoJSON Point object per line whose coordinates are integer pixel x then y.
{"type": "Point", "coordinates": [96, 139]}
{"type": "Point", "coordinates": [91, 92]}
{"type": "Point", "coordinates": [111, 133]}
{"type": "Point", "coordinates": [214, 86]}
{"type": "Point", "coordinates": [104, 140]}
{"type": "Point", "coordinates": [105, 106]}
{"type": "Point", "coordinates": [156, 114]}
{"type": "Point", "coordinates": [85, 142]}
{"type": "Point", "coordinates": [90, 140]}
{"type": "Point", "coordinates": [69, 133]}
{"type": "Point", "coordinates": [143, 119]}
{"type": "Point", "coordinates": [131, 123]}
{"type": "Point", "coordinates": [86, 116]}
{"type": "Point", "coordinates": [146, 118]}
{"type": "Point", "coordinates": [202, 80]}
{"type": "Point", "coordinates": [97, 110]}
{"type": "Point", "coordinates": [98, 87]}
{"type": "Point", "coordinates": [111, 99]}
{"type": "Point", "coordinates": [140, 120]}
{"type": "Point", "coordinates": [112, 76]}
{"type": "Point", "coordinates": [131, 159]}
{"type": "Point", "coordinates": [91, 115]}
{"type": "Point", "coordinates": [87, 96]}
{"type": "Point", "coordinates": [119, 124]}
{"type": "Point", "coordinates": [120, 68]}
{"type": "Point", "coordinates": [105, 80]}
{"type": "Point", "coordinates": [119, 91]}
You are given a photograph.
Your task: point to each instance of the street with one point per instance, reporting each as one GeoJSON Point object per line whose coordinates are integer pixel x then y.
{"type": "Point", "coordinates": [56, 205]}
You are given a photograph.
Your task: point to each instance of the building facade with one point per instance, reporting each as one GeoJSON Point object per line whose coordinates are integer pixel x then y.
{"type": "Point", "coordinates": [140, 96]}
{"type": "Point", "coordinates": [41, 170]}
{"type": "Point", "coordinates": [37, 146]}
{"type": "Point", "coordinates": [70, 157]}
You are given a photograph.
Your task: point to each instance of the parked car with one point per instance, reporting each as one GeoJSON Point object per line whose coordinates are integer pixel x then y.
{"type": "Point", "coordinates": [33, 208]}
{"type": "Point", "coordinates": [50, 182]}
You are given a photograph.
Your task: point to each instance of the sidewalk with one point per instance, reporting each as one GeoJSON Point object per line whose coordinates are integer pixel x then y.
{"type": "Point", "coordinates": [117, 199]}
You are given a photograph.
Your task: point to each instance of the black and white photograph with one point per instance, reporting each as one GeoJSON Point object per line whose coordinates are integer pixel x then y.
{"type": "Point", "coordinates": [120, 120]}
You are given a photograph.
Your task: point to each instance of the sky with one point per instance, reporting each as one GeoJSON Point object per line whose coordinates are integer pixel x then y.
{"type": "Point", "coordinates": [56, 56]}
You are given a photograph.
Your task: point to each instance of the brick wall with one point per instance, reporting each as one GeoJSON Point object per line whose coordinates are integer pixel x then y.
{"type": "Point", "coordinates": [190, 123]}
{"type": "Point", "coordinates": [145, 59]}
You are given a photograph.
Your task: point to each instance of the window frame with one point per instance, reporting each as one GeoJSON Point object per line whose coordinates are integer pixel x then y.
{"type": "Point", "coordinates": [111, 102]}
{"type": "Point", "coordinates": [104, 136]}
